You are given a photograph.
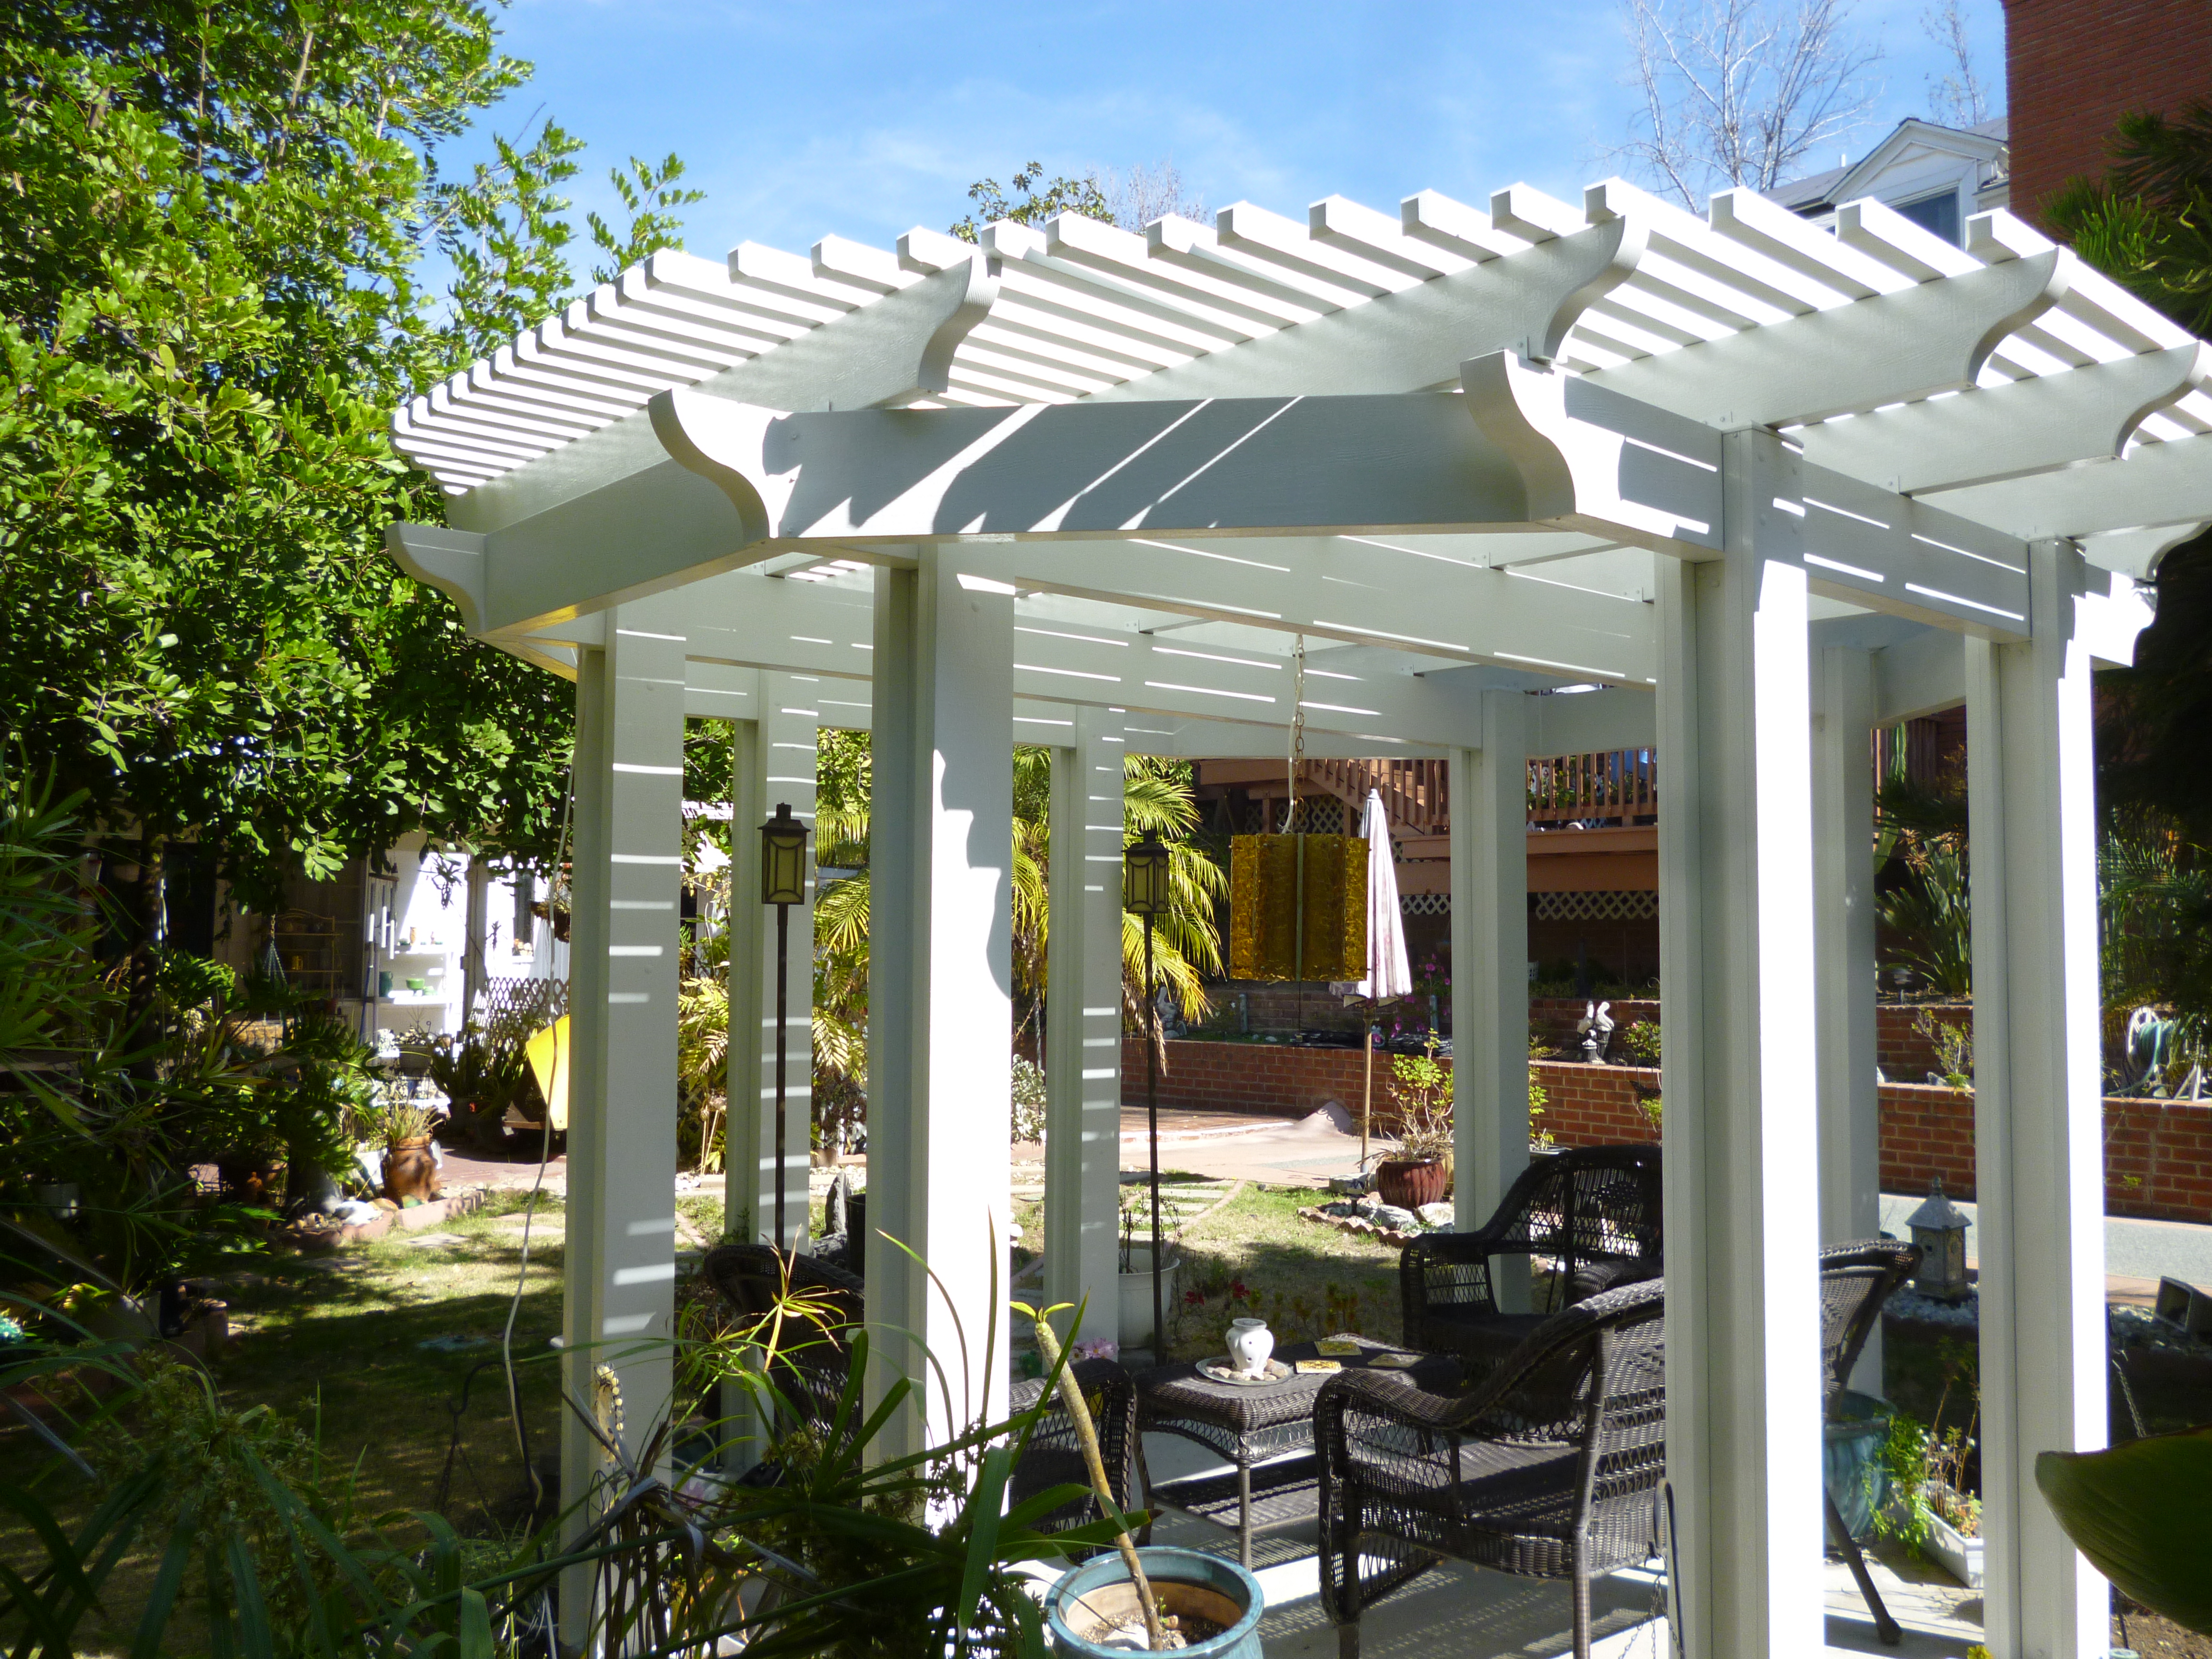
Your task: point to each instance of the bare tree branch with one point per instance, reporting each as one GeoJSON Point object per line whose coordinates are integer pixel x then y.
{"type": "Point", "coordinates": [1739, 92]}
{"type": "Point", "coordinates": [1142, 194]}
{"type": "Point", "coordinates": [1959, 100]}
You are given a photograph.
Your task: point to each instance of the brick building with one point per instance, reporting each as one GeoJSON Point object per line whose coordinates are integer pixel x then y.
{"type": "Point", "coordinates": [2074, 67]}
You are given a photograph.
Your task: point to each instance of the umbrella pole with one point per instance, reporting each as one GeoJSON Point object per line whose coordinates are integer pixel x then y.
{"type": "Point", "coordinates": [1366, 1092]}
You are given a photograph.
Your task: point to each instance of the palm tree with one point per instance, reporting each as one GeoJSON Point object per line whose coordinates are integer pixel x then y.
{"type": "Point", "coordinates": [1156, 797]}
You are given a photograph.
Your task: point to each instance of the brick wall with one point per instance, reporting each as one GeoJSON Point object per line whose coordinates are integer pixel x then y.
{"type": "Point", "coordinates": [1903, 1053]}
{"type": "Point", "coordinates": [2157, 1154]}
{"type": "Point", "coordinates": [2074, 67]}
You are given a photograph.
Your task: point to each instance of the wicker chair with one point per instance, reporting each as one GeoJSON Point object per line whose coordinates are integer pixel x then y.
{"type": "Point", "coordinates": [1855, 1279]}
{"type": "Point", "coordinates": [1594, 1209]}
{"type": "Point", "coordinates": [815, 1361]}
{"type": "Point", "coordinates": [1053, 1455]}
{"type": "Point", "coordinates": [816, 1367]}
{"type": "Point", "coordinates": [1548, 1469]}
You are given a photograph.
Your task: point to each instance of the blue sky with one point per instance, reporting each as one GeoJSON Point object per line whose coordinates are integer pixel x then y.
{"type": "Point", "coordinates": [799, 119]}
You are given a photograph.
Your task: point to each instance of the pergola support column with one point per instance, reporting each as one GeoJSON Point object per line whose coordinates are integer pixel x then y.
{"type": "Point", "coordinates": [774, 763]}
{"type": "Point", "coordinates": [1743, 1380]}
{"type": "Point", "coordinates": [1490, 978]}
{"type": "Point", "coordinates": [940, 1005]}
{"type": "Point", "coordinates": [1843, 944]}
{"type": "Point", "coordinates": [2038, 1152]}
{"type": "Point", "coordinates": [620, 1267]}
{"type": "Point", "coordinates": [1083, 1026]}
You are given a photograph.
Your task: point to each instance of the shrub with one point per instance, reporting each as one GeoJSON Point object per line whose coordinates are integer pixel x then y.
{"type": "Point", "coordinates": [1029, 1100]}
{"type": "Point", "coordinates": [1641, 1039]}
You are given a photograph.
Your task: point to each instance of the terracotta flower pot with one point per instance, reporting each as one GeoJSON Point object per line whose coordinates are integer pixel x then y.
{"type": "Point", "coordinates": [1410, 1182]}
{"type": "Point", "coordinates": [410, 1171]}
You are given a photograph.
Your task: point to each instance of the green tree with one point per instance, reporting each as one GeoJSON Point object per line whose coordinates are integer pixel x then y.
{"type": "Point", "coordinates": [211, 247]}
{"type": "Point", "coordinates": [1034, 200]}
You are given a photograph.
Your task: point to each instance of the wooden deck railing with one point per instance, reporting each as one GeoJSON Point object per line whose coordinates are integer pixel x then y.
{"type": "Point", "coordinates": [1615, 783]}
{"type": "Point", "coordinates": [1413, 791]}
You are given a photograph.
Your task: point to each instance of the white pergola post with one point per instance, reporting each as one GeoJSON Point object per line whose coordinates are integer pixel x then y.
{"type": "Point", "coordinates": [620, 1267]}
{"type": "Point", "coordinates": [2039, 1152]}
{"type": "Point", "coordinates": [1843, 940]}
{"type": "Point", "coordinates": [1490, 970]}
{"type": "Point", "coordinates": [1743, 1381]}
{"type": "Point", "coordinates": [774, 765]}
{"type": "Point", "coordinates": [1082, 1024]}
{"type": "Point", "coordinates": [940, 1004]}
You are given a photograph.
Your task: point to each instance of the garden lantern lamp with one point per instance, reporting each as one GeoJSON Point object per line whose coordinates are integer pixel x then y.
{"type": "Point", "coordinates": [1145, 876]}
{"type": "Point", "coordinates": [1938, 1228]}
{"type": "Point", "coordinates": [783, 883]}
{"type": "Point", "coordinates": [1145, 892]}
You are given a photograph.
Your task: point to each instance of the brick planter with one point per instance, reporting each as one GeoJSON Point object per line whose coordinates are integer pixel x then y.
{"type": "Point", "coordinates": [2157, 1154]}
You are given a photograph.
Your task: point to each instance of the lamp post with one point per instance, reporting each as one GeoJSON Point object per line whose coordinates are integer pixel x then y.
{"type": "Point", "coordinates": [1145, 890]}
{"type": "Point", "coordinates": [783, 883]}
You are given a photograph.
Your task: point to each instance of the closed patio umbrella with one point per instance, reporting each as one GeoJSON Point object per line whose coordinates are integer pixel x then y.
{"type": "Point", "coordinates": [1388, 975]}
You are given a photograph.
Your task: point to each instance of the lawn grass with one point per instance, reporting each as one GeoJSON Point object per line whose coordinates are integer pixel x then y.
{"type": "Point", "coordinates": [336, 1343]}
{"type": "Point", "coordinates": [1306, 1280]}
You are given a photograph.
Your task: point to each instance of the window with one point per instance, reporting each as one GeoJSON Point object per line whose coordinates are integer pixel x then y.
{"type": "Point", "coordinates": [1938, 213]}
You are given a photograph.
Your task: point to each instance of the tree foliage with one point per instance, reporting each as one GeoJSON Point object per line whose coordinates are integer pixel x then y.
{"type": "Point", "coordinates": [2149, 222]}
{"type": "Point", "coordinates": [213, 227]}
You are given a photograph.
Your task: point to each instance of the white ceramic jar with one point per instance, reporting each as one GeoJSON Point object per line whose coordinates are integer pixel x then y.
{"type": "Point", "coordinates": [1250, 1343]}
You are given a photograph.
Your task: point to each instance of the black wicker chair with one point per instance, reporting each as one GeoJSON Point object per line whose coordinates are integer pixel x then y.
{"type": "Point", "coordinates": [1595, 1210]}
{"type": "Point", "coordinates": [1855, 1279]}
{"type": "Point", "coordinates": [1548, 1469]}
{"type": "Point", "coordinates": [1053, 1455]}
{"type": "Point", "coordinates": [814, 1368]}
{"type": "Point", "coordinates": [815, 1358]}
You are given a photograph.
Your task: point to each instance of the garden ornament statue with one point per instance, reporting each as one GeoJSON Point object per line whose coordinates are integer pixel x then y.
{"type": "Point", "coordinates": [1596, 1027]}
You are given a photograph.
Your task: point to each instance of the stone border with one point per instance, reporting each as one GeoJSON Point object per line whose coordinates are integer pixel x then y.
{"type": "Point", "coordinates": [411, 1220]}
{"type": "Point", "coordinates": [1353, 1224]}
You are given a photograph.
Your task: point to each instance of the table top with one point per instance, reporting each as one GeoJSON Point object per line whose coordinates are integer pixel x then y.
{"type": "Point", "coordinates": [1170, 1392]}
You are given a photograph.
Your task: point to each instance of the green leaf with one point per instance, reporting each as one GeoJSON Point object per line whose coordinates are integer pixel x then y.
{"type": "Point", "coordinates": [984, 1503]}
{"type": "Point", "coordinates": [2142, 1514]}
{"type": "Point", "coordinates": [161, 1599]}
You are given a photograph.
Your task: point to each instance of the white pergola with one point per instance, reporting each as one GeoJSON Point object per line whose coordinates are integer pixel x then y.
{"type": "Point", "coordinates": [1767, 485]}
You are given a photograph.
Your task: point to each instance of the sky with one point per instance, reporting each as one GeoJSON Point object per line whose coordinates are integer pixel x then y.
{"type": "Point", "coordinates": [801, 119]}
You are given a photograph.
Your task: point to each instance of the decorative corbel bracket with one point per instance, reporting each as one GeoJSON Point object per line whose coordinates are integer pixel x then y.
{"type": "Point", "coordinates": [450, 560]}
{"type": "Point", "coordinates": [1592, 460]}
{"type": "Point", "coordinates": [725, 442]}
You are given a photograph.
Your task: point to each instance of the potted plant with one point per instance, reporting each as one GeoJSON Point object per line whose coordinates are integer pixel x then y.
{"type": "Point", "coordinates": [1421, 1173]}
{"type": "Point", "coordinates": [1198, 1604]}
{"type": "Point", "coordinates": [410, 1171]}
{"type": "Point", "coordinates": [1134, 1327]}
{"type": "Point", "coordinates": [1929, 1508]}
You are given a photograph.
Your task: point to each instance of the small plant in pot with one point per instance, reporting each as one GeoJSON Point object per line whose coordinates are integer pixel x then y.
{"type": "Point", "coordinates": [410, 1171]}
{"type": "Point", "coordinates": [1152, 1598]}
{"type": "Point", "coordinates": [1421, 1173]}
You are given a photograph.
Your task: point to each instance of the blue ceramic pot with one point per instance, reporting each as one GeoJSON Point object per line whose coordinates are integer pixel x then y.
{"type": "Point", "coordinates": [1206, 1584]}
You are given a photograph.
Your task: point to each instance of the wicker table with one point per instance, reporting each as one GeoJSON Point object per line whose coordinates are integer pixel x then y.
{"type": "Point", "coordinates": [1263, 1425]}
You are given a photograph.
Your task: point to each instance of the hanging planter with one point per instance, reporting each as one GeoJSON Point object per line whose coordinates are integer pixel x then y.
{"type": "Point", "coordinates": [1298, 907]}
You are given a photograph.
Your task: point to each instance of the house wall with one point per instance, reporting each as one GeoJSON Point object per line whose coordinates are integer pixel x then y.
{"type": "Point", "coordinates": [2157, 1154]}
{"type": "Point", "coordinates": [2073, 68]}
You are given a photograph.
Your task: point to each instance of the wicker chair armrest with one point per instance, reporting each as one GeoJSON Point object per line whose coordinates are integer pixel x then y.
{"type": "Point", "coordinates": [1459, 1249]}
{"type": "Point", "coordinates": [1391, 1396]}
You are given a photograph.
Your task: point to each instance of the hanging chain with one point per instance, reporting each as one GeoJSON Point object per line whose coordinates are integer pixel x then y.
{"type": "Point", "coordinates": [1298, 753]}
